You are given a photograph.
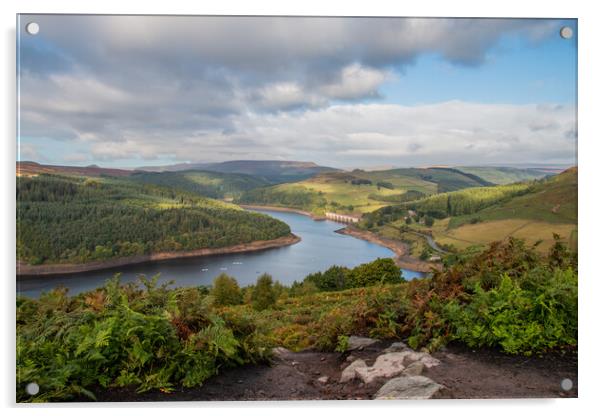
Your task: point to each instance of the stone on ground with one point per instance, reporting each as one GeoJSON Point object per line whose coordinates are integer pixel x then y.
{"type": "Point", "coordinates": [348, 373]}
{"type": "Point", "coordinates": [412, 387]}
{"type": "Point", "coordinates": [396, 347]}
{"type": "Point", "coordinates": [356, 343]}
{"type": "Point", "coordinates": [323, 380]}
{"type": "Point", "coordinates": [424, 357]}
{"type": "Point", "coordinates": [280, 352]}
{"type": "Point", "coordinates": [386, 366]}
{"type": "Point", "coordinates": [414, 369]}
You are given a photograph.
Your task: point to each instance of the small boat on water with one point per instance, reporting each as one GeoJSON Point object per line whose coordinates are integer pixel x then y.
{"type": "Point", "coordinates": [204, 270]}
{"type": "Point", "coordinates": [223, 268]}
{"type": "Point", "coordinates": [237, 262]}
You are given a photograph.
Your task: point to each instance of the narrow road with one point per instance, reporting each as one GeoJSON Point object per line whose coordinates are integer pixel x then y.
{"type": "Point", "coordinates": [431, 242]}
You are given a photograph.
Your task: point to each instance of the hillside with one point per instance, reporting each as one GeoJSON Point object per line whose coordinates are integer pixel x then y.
{"type": "Point", "coordinates": [504, 175]}
{"type": "Point", "coordinates": [149, 342]}
{"type": "Point", "coordinates": [360, 191]}
{"type": "Point", "coordinates": [33, 169]}
{"type": "Point", "coordinates": [273, 171]}
{"type": "Point", "coordinates": [533, 211]}
{"type": "Point", "coordinates": [205, 183]}
{"type": "Point", "coordinates": [76, 220]}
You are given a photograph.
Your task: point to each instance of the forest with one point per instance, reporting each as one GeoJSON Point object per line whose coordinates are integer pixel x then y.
{"type": "Point", "coordinates": [77, 220]}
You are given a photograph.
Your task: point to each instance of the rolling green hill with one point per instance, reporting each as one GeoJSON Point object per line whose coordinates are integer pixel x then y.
{"type": "Point", "coordinates": [77, 220]}
{"type": "Point", "coordinates": [503, 175]}
{"type": "Point", "coordinates": [361, 191]}
{"type": "Point", "coordinates": [532, 211]}
{"type": "Point", "coordinates": [209, 184]}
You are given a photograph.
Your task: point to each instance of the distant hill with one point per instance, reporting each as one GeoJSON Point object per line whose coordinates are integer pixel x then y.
{"type": "Point", "coordinates": [361, 191]}
{"type": "Point", "coordinates": [33, 169]}
{"type": "Point", "coordinates": [209, 184]}
{"type": "Point", "coordinates": [506, 175]}
{"type": "Point", "coordinates": [273, 171]}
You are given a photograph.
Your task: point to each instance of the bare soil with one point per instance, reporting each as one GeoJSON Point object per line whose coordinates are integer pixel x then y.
{"type": "Point", "coordinates": [465, 373]}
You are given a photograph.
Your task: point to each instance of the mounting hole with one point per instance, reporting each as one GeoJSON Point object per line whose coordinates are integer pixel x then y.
{"type": "Point", "coordinates": [566, 32]}
{"type": "Point", "coordinates": [32, 389]}
{"type": "Point", "coordinates": [32, 28]}
{"type": "Point", "coordinates": [566, 384]}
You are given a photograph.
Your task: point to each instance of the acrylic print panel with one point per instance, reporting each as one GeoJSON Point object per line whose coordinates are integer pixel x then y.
{"type": "Point", "coordinates": [279, 208]}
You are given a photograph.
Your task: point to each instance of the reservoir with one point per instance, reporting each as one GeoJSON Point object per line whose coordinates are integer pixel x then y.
{"type": "Point", "coordinates": [320, 247]}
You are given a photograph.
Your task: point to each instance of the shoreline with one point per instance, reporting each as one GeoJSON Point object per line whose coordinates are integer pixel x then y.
{"type": "Point", "coordinates": [402, 258]}
{"type": "Point", "coordinates": [25, 270]}
{"type": "Point", "coordinates": [283, 209]}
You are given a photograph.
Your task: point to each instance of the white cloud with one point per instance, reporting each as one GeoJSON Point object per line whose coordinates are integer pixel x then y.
{"type": "Point", "coordinates": [367, 134]}
{"type": "Point", "coordinates": [356, 82]}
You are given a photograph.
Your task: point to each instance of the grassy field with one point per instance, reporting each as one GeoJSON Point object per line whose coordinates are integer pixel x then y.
{"type": "Point", "coordinates": [486, 232]}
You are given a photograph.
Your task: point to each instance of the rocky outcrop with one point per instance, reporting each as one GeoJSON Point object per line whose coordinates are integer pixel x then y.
{"type": "Point", "coordinates": [386, 366]}
{"type": "Point", "coordinates": [349, 373]}
{"type": "Point", "coordinates": [408, 387]}
{"type": "Point", "coordinates": [401, 365]}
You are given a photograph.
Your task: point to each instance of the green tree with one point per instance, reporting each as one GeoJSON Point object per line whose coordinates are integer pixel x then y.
{"type": "Point", "coordinates": [264, 295]}
{"type": "Point", "coordinates": [334, 278]}
{"type": "Point", "coordinates": [378, 271]}
{"type": "Point", "coordinates": [226, 291]}
{"type": "Point", "coordinates": [429, 221]}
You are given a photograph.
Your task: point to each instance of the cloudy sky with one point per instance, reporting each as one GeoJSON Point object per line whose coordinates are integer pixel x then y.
{"type": "Point", "coordinates": [126, 91]}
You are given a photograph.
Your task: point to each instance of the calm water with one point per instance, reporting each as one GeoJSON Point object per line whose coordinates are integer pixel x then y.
{"type": "Point", "coordinates": [320, 247]}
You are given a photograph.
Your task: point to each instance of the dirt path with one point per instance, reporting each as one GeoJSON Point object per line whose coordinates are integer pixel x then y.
{"type": "Point", "coordinates": [294, 376]}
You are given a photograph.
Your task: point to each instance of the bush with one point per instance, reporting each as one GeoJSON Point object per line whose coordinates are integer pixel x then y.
{"type": "Point", "coordinates": [148, 338]}
{"type": "Point", "coordinates": [263, 295]}
{"type": "Point", "coordinates": [508, 296]}
{"type": "Point", "coordinates": [379, 271]}
{"type": "Point", "coordinates": [520, 320]}
{"type": "Point", "coordinates": [225, 291]}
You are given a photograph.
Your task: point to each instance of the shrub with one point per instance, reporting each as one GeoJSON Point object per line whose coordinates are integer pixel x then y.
{"type": "Point", "coordinates": [225, 291]}
{"type": "Point", "coordinates": [520, 320]}
{"type": "Point", "coordinates": [145, 337]}
{"type": "Point", "coordinates": [263, 295]}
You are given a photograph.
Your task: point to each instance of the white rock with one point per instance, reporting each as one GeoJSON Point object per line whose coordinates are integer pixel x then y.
{"type": "Point", "coordinates": [323, 380]}
{"type": "Point", "coordinates": [386, 366]}
{"type": "Point", "coordinates": [413, 387]}
{"type": "Point", "coordinates": [348, 373]}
